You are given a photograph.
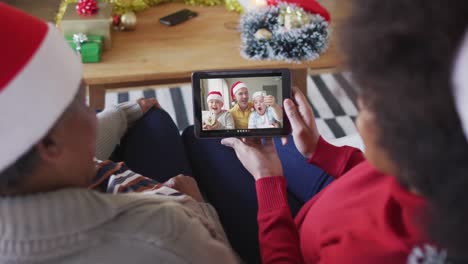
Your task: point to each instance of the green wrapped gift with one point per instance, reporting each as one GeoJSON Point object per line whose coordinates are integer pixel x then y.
{"type": "Point", "coordinates": [89, 46]}
{"type": "Point", "coordinates": [98, 24]}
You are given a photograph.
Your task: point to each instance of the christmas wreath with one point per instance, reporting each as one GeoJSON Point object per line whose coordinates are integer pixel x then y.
{"type": "Point", "coordinates": [283, 32]}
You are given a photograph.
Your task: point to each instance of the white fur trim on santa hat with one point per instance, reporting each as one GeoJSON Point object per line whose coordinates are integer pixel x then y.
{"type": "Point", "coordinates": [214, 95]}
{"type": "Point", "coordinates": [258, 93]}
{"type": "Point", "coordinates": [460, 88]}
{"type": "Point", "coordinates": [37, 96]}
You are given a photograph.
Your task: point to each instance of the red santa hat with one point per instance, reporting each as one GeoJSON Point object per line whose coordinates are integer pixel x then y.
{"type": "Point", "coordinates": [311, 6]}
{"type": "Point", "coordinates": [235, 87]}
{"type": "Point", "coordinates": [39, 77]}
{"type": "Point", "coordinates": [460, 87]}
{"type": "Point", "coordinates": [214, 95]}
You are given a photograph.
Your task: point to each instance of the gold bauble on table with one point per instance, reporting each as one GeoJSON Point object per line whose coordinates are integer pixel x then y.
{"type": "Point", "coordinates": [128, 21]}
{"type": "Point", "coordinates": [263, 33]}
{"type": "Point", "coordinates": [293, 17]}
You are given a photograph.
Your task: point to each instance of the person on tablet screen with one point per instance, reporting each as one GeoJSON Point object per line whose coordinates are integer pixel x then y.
{"type": "Point", "coordinates": [216, 117]}
{"type": "Point", "coordinates": [267, 113]}
{"type": "Point", "coordinates": [242, 107]}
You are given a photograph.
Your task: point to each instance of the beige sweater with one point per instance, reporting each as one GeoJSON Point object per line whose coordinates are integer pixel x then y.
{"type": "Point", "coordinates": [85, 226]}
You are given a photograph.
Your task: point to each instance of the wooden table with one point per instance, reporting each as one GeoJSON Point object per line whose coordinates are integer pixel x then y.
{"type": "Point", "coordinates": [157, 54]}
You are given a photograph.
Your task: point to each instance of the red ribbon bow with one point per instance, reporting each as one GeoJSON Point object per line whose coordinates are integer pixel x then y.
{"type": "Point", "coordinates": [87, 7]}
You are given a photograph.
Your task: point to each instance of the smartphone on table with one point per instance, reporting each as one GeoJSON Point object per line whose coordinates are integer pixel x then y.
{"type": "Point", "coordinates": [178, 17]}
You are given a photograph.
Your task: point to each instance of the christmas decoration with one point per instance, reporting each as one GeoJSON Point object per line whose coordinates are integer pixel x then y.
{"type": "Point", "coordinates": [79, 39]}
{"type": "Point", "coordinates": [115, 20]}
{"type": "Point", "coordinates": [310, 6]}
{"type": "Point", "coordinates": [293, 17]}
{"type": "Point", "coordinates": [263, 33]}
{"type": "Point", "coordinates": [128, 21]}
{"type": "Point", "coordinates": [247, 5]}
{"type": "Point", "coordinates": [234, 5]}
{"type": "Point", "coordinates": [87, 7]}
{"type": "Point", "coordinates": [88, 46]}
{"type": "Point", "coordinates": [123, 6]}
{"type": "Point", "coordinates": [296, 35]}
{"type": "Point", "coordinates": [97, 24]}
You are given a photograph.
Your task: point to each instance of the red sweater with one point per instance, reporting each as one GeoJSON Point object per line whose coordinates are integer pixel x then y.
{"type": "Point", "coordinates": [364, 216]}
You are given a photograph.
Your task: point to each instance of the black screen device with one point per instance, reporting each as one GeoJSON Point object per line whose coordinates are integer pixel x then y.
{"type": "Point", "coordinates": [214, 102]}
{"type": "Point", "coordinates": [177, 17]}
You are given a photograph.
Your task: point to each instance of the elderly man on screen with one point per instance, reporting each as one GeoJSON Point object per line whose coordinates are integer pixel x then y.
{"type": "Point", "coordinates": [243, 107]}
{"type": "Point", "coordinates": [48, 143]}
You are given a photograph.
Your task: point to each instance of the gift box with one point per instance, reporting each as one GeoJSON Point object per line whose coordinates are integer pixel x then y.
{"type": "Point", "coordinates": [89, 46]}
{"type": "Point", "coordinates": [98, 24]}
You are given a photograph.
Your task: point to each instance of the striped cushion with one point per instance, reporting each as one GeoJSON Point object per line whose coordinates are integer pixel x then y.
{"type": "Point", "coordinates": [333, 97]}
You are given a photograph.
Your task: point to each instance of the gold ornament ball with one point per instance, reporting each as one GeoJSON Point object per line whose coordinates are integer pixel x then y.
{"type": "Point", "coordinates": [128, 21]}
{"type": "Point", "coordinates": [263, 33]}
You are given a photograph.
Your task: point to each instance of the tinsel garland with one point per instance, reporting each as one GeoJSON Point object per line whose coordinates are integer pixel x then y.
{"type": "Point", "coordinates": [123, 6]}
{"type": "Point", "coordinates": [233, 5]}
{"type": "Point", "coordinates": [306, 42]}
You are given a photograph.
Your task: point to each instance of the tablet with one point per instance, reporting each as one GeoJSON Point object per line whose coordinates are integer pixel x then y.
{"type": "Point", "coordinates": [241, 103]}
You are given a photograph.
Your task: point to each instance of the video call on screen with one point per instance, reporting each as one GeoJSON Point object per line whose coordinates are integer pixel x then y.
{"type": "Point", "coordinates": [257, 103]}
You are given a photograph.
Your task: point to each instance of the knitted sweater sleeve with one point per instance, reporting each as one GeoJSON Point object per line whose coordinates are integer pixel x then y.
{"type": "Point", "coordinates": [191, 240]}
{"type": "Point", "coordinates": [112, 125]}
{"type": "Point", "coordinates": [334, 160]}
{"type": "Point", "coordinates": [278, 234]}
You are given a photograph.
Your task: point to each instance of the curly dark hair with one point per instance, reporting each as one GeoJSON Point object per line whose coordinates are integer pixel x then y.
{"type": "Point", "coordinates": [401, 53]}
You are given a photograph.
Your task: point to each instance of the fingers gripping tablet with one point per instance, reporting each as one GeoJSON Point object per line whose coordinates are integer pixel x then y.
{"type": "Point", "coordinates": [241, 103]}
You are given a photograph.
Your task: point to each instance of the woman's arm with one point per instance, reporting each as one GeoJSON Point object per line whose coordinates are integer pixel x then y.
{"type": "Point", "coordinates": [334, 160]}
{"type": "Point", "coordinates": [112, 125]}
{"type": "Point", "coordinates": [279, 240]}
{"type": "Point", "coordinates": [278, 235]}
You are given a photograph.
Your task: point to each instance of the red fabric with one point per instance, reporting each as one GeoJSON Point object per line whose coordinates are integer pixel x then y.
{"type": "Point", "coordinates": [87, 7]}
{"type": "Point", "coordinates": [215, 92]}
{"type": "Point", "coordinates": [364, 216]}
{"type": "Point", "coordinates": [21, 36]}
{"type": "Point", "coordinates": [311, 6]}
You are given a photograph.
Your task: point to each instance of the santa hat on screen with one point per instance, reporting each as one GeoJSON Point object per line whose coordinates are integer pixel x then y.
{"type": "Point", "coordinates": [39, 77]}
{"type": "Point", "coordinates": [311, 6]}
{"type": "Point", "coordinates": [235, 87]}
{"type": "Point", "coordinates": [214, 95]}
{"type": "Point", "coordinates": [460, 87]}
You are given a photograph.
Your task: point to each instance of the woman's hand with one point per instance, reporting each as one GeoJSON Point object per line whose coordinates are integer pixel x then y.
{"type": "Point", "coordinates": [302, 119]}
{"type": "Point", "coordinates": [186, 185]}
{"type": "Point", "coordinates": [259, 158]}
{"type": "Point", "coordinates": [147, 104]}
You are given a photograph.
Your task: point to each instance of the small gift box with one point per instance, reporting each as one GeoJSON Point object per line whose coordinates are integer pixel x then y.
{"type": "Point", "coordinates": [89, 46]}
{"type": "Point", "coordinates": [98, 24]}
